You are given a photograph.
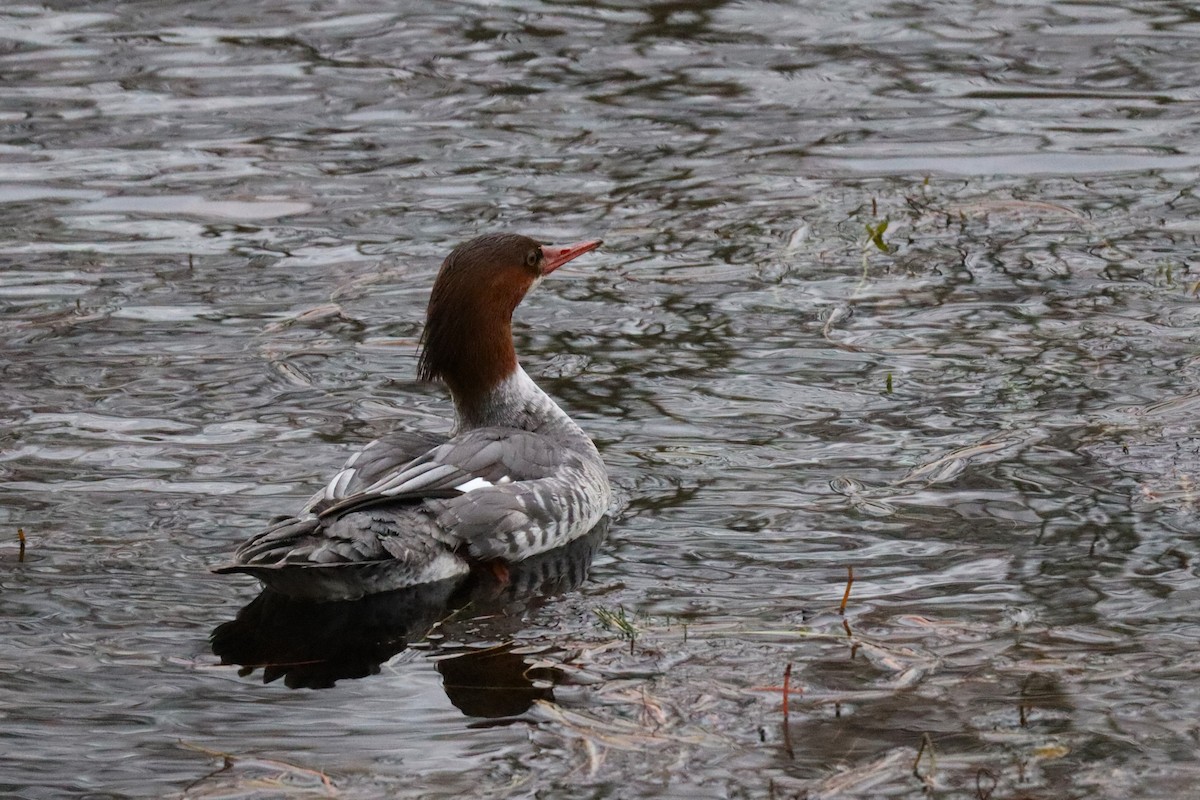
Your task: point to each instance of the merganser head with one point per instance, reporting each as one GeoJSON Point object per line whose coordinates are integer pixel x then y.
{"type": "Point", "coordinates": [467, 341]}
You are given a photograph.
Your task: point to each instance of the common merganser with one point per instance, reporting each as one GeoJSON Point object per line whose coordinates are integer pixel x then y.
{"type": "Point", "coordinates": [515, 477]}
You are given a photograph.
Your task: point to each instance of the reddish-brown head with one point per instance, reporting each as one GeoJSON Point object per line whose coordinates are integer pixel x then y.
{"type": "Point", "coordinates": [468, 327]}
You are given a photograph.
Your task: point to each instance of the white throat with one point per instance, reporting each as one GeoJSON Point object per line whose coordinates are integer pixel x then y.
{"type": "Point", "coordinates": [517, 402]}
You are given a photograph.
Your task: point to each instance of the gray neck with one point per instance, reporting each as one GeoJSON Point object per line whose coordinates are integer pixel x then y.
{"type": "Point", "coordinates": [516, 402]}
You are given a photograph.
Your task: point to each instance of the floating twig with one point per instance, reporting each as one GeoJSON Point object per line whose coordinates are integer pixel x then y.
{"type": "Point", "coordinates": [283, 766]}
{"type": "Point", "coordinates": [21, 540]}
{"type": "Point", "coordinates": [985, 792]}
{"type": "Point", "coordinates": [926, 743]}
{"type": "Point", "coordinates": [787, 688]}
{"type": "Point", "coordinates": [787, 728]}
{"type": "Point", "coordinates": [846, 594]}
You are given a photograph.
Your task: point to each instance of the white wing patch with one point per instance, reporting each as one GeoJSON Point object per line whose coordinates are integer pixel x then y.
{"type": "Point", "coordinates": [481, 483]}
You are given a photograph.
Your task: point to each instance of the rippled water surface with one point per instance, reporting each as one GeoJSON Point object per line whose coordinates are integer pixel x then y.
{"type": "Point", "coordinates": [220, 224]}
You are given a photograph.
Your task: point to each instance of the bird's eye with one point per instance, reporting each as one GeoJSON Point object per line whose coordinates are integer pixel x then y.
{"type": "Point", "coordinates": [533, 258]}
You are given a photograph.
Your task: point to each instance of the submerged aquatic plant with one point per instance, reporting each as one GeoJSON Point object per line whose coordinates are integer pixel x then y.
{"type": "Point", "coordinates": [618, 621]}
{"type": "Point", "coordinates": [875, 235]}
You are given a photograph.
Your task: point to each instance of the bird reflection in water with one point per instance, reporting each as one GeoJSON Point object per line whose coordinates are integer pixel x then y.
{"type": "Point", "coordinates": [314, 645]}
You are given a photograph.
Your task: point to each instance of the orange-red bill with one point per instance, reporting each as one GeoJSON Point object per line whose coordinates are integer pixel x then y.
{"type": "Point", "coordinates": [555, 255]}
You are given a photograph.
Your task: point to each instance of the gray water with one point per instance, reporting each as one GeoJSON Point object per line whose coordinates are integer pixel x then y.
{"type": "Point", "coordinates": [220, 224]}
